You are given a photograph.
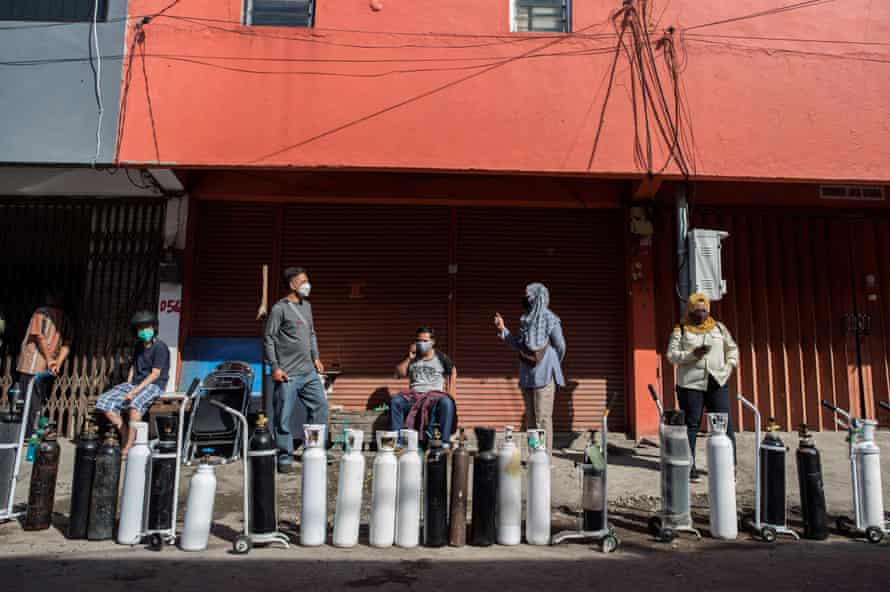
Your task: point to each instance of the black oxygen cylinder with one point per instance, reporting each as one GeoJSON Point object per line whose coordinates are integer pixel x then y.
{"type": "Point", "coordinates": [812, 491]}
{"type": "Point", "coordinates": [162, 480]}
{"type": "Point", "coordinates": [103, 502]}
{"type": "Point", "coordinates": [485, 490]}
{"type": "Point", "coordinates": [42, 495]}
{"type": "Point", "coordinates": [263, 511]}
{"type": "Point", "coordinates": [10, 426]}
{"type": "Point", "coordinates": [82, 482]}
{"type": "Point", "coordinates": [772, 478]}
{"type": "Point", "coordinates": [435, 516]}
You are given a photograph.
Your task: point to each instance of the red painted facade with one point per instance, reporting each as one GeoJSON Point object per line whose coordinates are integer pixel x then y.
{"type": "Point", "coordinates": [426, 84]}
{"type": "Point", "coordinates": [438, 104]}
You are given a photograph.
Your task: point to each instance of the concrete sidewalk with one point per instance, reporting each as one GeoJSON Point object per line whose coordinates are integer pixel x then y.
{"type": "Point", "coordinates": [634, 489]}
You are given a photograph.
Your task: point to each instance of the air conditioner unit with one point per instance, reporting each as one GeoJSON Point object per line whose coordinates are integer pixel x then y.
{"type": "Point", "coordinates": [705, 263]}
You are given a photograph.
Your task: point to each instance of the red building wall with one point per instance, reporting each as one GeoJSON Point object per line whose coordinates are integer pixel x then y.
{"type": "Point", "coordinates": [443, 85]}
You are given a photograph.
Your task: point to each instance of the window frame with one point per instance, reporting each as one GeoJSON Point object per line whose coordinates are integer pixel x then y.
{"type": "Point", "coordinates": [513, 5]}
{"type": "Point", "coordinates": [247, 16]}
{"type": "Point", "coordinates": [101, 18]}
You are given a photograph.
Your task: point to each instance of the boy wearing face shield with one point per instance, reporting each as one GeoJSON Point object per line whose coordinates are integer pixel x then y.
{"type": "Point", "coordinates": [427, 401]}
{"type": "Point", "coordinates": [146, 380]}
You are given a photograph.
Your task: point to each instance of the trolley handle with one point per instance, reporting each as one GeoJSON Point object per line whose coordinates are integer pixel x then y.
{"type": "Point", "coordinates": [885, 405]}
{"type": "Point", "coordinates": [653, 393]}
{"type": "Point", "coordinates": [835, 408]}
{"type": "Point", "coordinates": [610, 399]}
{"type": "Point", "coordinates": [655, 399]}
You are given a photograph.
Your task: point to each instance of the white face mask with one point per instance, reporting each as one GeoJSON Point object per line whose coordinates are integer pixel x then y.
{"type": "Point", "coordinates": [304, 290]}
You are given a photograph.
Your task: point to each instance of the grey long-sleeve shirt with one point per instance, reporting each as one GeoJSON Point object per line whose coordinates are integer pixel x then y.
{"type": "Point", "coordinates": [289, 342]}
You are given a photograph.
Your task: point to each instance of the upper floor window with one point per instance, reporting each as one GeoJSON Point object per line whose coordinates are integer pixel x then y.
{"type": "Point", "coordinates": [541, 15]}
{"type": "Point", "coordinates": [279, 13]}
{"type": "Point", "coordinates": [52, 10]}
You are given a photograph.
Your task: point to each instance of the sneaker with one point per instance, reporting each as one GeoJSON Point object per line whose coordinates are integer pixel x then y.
{"type": "Point", "coordinates": [694, 476]}
{"type": "Point", "coordinates": [286, 468]}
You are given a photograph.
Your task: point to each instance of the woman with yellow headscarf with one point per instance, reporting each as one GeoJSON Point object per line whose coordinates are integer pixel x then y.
{"type": "Point", "coordinates": [705, 355]}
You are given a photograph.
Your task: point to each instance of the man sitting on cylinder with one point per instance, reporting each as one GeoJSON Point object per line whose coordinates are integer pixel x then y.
{"type": "Point", "coordinates": [427, 401]}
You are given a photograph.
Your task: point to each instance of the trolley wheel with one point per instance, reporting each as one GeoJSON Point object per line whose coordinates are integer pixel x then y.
{"type": "Point", "coordinates": [874, 535]}
{"type": "Point", "coordinates": [768, 534]}
{"type": "Point", "coordinates": [667, 535]}
{"type": "Point", "coordinates": [156, 542]}
{"type": "Point", "coordinates": [609, 543]}
{"type": "Point", "coordinates": [242, 545]}
{"type": "Point", "coordinates": [844, 525]}
{"type": "Point", "coordinates": [655, 525]}
{"type": "Point", "coordinates": [747, 522]}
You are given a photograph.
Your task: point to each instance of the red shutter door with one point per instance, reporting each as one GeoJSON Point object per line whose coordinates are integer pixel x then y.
{"type": "Point", "coordinates": [234, 241]}
{"type": "Point", "coordinates": [377, 273]}
{"type": "Point", "coordinates": [792, 277]}
{"type": "Point", "coordinates": [578, 255]}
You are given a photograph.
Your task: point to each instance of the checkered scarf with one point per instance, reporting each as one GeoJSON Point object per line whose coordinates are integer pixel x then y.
{"type": "Point", "coordinates": [536, 325]}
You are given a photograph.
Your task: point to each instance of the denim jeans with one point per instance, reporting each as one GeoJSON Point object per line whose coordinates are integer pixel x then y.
{"type": "Point", "coordinates": [442, 414]}
{"type": "Point", "coordinates": [693, 403]}
{"type": "Point", "coordinates": [309, 388]}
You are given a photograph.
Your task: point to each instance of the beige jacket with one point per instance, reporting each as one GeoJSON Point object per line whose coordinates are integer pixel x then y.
{"type": "Point", "coordinates": [719, 362]}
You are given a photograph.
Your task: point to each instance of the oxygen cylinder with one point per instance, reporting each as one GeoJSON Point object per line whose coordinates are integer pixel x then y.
{"type": "Point", "coordinates": [383, 492]}
{"type": "Point", "coordinates": [82, 483]}
{"type": "Point", "coordinates": [162, 479]}
{"type": "Point", "coordinates": [593, 487]}
{"type": "Point", "coordinates": [772, 477]}
{"type": "Point", "coordinates": [103, 500]}
{"type": "Point", "coordinates": [537, 520]}
{"type": "Point", "coordinates": [812, 491]}
{"type": "Point", "coordinates": [129, 529]}
{"type": "Point", "coordinates": [867, 458]}
{"type": "Point", "coordinates": [263, 492]}
{"type": "Point", "coordinates": [721, 479]}
{"type": "Point", "coordinates": [43, 484]}
{"type": "Point", "coordinates": [485, 490]}
{"type": "Point", "coordinates": [10, 430]}
{"type": "Point", "coordinates": [676, 460]}
{"type": "Point", "coordinates": [347, 515]}
{"type": "Point", "coordinates": [460, 474]}
{"type": "Point", "coordinates": [435, 515]}
{"type": "Point", "coordinates": [199, 508]}
{"type": "Point", "coordinates": [509, 507]}
{"type": "Point", "coordinates": [409, 469]}
{"type": "Point", "coordinates": [314, 509]}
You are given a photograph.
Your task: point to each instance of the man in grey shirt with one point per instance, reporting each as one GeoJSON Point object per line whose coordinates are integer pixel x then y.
{"type": "Point", "coordinates": [291, 350]}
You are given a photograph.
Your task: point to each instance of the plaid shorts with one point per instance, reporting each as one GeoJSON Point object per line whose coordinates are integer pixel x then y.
{"type": "Point", "coordinates": [116, 399]}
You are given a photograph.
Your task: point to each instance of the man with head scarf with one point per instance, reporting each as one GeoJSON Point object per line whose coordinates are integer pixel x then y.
{"type": "Point", "coordinates": [705, 355]}
{"type": "Point", "coordinates": [541, 348]}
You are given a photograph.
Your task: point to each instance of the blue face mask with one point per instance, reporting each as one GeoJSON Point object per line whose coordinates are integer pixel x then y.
{"type": "Point", "coordinates": [146, 335]}
{"type": "Point", "coordinates": [424, 347]}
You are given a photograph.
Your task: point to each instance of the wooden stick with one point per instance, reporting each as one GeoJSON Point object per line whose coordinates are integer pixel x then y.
{"type": "Point", "coordinates": [264, 303]}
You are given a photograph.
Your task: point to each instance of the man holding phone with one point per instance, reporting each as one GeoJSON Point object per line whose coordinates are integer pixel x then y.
{"type": "Point", "coordinates": [705, 355]}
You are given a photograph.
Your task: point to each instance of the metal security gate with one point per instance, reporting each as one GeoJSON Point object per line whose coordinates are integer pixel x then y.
{"type": "Point", "coordinates": [105, 255]}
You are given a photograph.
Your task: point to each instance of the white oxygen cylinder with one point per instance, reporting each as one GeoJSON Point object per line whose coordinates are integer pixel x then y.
{"type": "Point", "coordinates": [349, 491]}
{"type": "Point", "coordinates": [537, 521]}
{"type": "Point", "coordinates": [509, 508]}
{"type": "Point", "coordinates": [129, 529]}
{"type": "Point", "coordinates": [383, 492]}
{"type": "Point", "coordinates": [199, 509]}
{"type": "Point", "coordinates": [721, 479]}
{"type": "Point", "coordinates": [867, 457]}
{"type": "Point", "coordinates": [410, 474]}
{"type": "Point", "coordinates": [314, 508]}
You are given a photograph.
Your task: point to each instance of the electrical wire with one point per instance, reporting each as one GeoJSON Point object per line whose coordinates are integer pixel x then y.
{"type": "Point", "coordinates": [762, 13]}
{"type": "Point", "coordinates": [792, 39]}
{"type": "Point", "coordinates": [795, 52]}
{"type": "Point", "coordinates": [97, 79]}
